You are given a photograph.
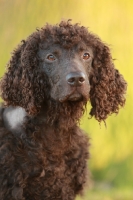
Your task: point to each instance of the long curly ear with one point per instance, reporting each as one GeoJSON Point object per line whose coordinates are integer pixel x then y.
{"type": "Point", "coordinates": [23, 85]}
{"type": "Point", "coordinates": [108, 86]}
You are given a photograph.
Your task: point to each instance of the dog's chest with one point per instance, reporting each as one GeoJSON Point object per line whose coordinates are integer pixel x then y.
{"type": "Point", "coordinates": [53, 174]}
{"type": "Point", "coordinates": [54, 167]}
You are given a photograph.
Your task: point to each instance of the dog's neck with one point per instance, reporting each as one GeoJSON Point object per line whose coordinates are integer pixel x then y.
{"type": "Point", "coordinates": [15, 117]}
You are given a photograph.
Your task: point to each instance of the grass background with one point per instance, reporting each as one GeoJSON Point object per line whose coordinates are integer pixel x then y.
{"type": "Point", "coordinates": [111, 160]}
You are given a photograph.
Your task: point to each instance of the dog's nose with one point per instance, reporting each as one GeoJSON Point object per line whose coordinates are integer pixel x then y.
{"type": "Point", "coordinates": [75, 78]}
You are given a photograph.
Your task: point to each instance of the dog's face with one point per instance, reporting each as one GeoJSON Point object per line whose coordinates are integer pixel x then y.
{"type": "Point", "coordinates": [68, 71]}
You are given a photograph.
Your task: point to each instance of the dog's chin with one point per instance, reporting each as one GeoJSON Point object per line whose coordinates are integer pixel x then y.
{"type": "Point", "coordinates": [75, 97]}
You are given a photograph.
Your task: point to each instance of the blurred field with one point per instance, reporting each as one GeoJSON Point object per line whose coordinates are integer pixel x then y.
{"type": "Point", "coordinates": [114, 194]}
{"type": "Point", "coordinates": [111, 148]}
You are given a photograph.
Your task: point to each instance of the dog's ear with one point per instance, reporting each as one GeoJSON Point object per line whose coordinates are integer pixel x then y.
{"type": "Point", "coordinates": [108, 86]}
{"type": "Point", "coordinates": [23, 85]}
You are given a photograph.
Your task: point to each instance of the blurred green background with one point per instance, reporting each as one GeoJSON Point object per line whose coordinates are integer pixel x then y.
{"type": "Point", "coordinates": [111, 162]}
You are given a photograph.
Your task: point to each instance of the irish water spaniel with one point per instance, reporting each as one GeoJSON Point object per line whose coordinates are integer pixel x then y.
{"type": "Point", "coordinates": [50, 77]}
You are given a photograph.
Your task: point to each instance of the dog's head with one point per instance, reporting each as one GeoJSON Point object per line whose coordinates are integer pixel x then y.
{"type": "Point", "coordinates": [65, 63]}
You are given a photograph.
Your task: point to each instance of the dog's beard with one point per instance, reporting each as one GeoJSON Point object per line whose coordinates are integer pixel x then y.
{"type": "Point", "coordinates": [65, 115]}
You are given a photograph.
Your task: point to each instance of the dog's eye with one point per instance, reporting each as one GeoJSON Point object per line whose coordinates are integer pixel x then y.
{"type": "Point", "coordinates": [86, 56]}
{"type": "Point", "coordinates": [51, 57]}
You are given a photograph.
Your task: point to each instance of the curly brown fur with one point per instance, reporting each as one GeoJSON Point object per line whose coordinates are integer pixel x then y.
{"type": "Point", "coordinates": [49, 79]}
